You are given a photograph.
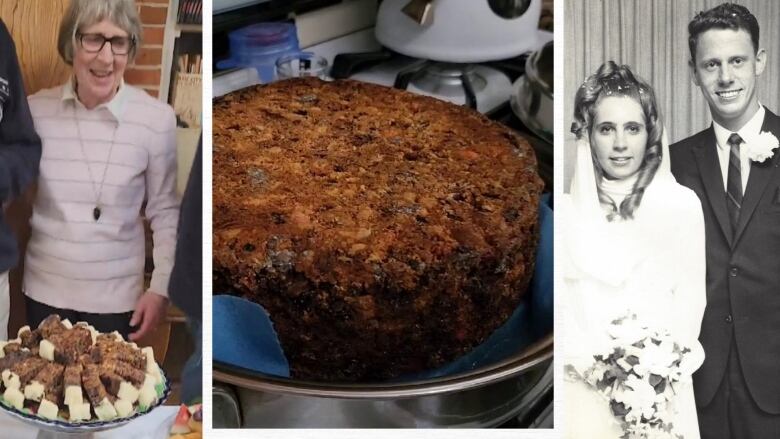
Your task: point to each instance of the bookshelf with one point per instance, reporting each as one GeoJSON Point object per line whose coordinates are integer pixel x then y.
{"type": "Point", "coordinates": [181, 39]}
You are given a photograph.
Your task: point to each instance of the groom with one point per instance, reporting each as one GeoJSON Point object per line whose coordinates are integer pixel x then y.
{"type": "Point", "coordinates": [738, 387]}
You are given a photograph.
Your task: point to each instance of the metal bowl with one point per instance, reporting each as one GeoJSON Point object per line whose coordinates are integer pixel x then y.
{"type": "Point", "coordinates": [532, 100]}
{"type": "Point", "coordinates": [484, 397]}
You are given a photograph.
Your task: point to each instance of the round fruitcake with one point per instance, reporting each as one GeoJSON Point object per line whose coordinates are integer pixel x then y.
{"type": "Point", "coordinates": [384, 232]}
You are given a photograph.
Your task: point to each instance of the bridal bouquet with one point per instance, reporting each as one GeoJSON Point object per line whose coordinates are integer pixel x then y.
{"type": "Point", "coordinates": [637, 370]}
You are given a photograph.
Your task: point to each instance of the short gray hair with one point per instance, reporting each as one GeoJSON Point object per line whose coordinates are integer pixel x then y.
{"type": "Point", "coordinates": [81, 13]}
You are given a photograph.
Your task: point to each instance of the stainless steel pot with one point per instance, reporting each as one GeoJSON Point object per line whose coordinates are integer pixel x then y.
{"type": "Point", "coordinates": [532, 100]}
{"type": "Point", "coordinates": [484, 397]}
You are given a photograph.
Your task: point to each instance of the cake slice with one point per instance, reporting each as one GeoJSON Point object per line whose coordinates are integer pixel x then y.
{"type": "Point", "coordinates": [11, 359]}
{"type": "Point", "coordinates": [11, 346]}
{"type": "Point", "coordinates": [29, 338]}
{"type": "Point", "coordinates": [111, 381]}
{"type": "Point", "coordinates": [107, 347]}
{"type": "Point", "coordinates": [96, 392]}
{"type": "Point", "coordinates": [124, 370]}
{"type": "Point", "coordinates": [46, 381]}
{"type": "Point", "coordinates": [72, 383]}
{"type": "Point", "coordinates": [118, 386]}
{"type": "Point", "coordinates": [9, 378]}
{"type": "Point", "coordinates": [21, 373]}
{"type": "Point", "coordinates": [70, 344]}
{"type": "Point", "coordinates": [51, 325]}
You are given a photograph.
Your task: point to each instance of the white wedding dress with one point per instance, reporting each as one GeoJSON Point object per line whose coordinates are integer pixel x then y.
{"type": "Point", "coordinates": [652, 266]}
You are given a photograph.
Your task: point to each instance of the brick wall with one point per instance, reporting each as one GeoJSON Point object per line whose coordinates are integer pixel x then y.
{"type": "Point", "coordinates": [147, 69]}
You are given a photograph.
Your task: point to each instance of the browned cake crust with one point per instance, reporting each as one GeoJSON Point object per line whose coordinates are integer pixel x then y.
{"type": "Point", "coordinates": [107, 348]}
{"type": "Point", "coordinates": [30, 339]}
{"type": "Point", "coordinates": [72, 376]}
{"type": "Point", "coordinates": [90, 380]}
{"type": "Point", "coordinates": [384, 232]}
{"type": "Point", "coordinates": [71, 344]}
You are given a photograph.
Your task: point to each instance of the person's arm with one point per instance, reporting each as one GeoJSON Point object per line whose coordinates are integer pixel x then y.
{"type": "Point", "coordinates": [691, 291]}
{"type": "Point", "coordinates": [162, 209]}
{"type": "Point", "coordinates": [20, 146]}
{"type": "Point", "coordinates": [186, 283]}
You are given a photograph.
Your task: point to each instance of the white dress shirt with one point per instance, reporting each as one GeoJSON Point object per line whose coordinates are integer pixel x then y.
{"type": "Point", "coordinates": [748, 131]}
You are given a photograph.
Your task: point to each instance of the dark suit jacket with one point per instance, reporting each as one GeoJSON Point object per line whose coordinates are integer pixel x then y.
{"type": "Point", "coordinates": [743, 273]}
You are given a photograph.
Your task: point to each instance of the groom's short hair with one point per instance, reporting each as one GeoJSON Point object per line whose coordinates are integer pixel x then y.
{"type": "Point", "coordinates": [724, 16]}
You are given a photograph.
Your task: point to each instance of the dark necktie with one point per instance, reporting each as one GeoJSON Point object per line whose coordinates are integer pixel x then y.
{"type": "Point", "coordinates": [734, 181]}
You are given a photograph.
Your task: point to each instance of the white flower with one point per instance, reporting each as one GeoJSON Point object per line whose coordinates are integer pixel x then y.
{"type": "Point", "coordinates": [639, 395]}
{"type": "Point", "coordinates": [624, 364]}
{"type": "Point", "coordinates": [627, 332]}
{"type": "Point", "coordinates": [596, 373]}
{"type": "Point", "coordinates": [657, 359]}
{"type": "Point", "coordinates": [761, 147]}
{"type": "Point", "coordinates": [633, 415]}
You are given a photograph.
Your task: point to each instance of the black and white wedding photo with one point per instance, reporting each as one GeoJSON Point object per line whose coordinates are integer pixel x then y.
{"type": "Point", "coordinates": [670, 220]}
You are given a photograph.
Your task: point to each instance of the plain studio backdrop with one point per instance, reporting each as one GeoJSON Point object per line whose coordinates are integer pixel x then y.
{"type": "Point", "coordinates": [651, 36]}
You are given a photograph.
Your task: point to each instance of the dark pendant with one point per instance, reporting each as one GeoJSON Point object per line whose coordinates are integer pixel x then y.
{"type": "Point", "coordinates": [96, 213]}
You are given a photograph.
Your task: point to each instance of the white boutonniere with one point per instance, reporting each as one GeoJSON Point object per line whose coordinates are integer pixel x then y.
{"type": "Point", "coordinates": [761, 147]}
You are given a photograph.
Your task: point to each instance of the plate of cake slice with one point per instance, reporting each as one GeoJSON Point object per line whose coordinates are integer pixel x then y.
{"type": "Point", "coordinates": [65, 376]}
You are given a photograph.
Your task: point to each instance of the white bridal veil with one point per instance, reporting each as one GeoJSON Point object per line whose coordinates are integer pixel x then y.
{"type": "Point", "coordinates": [603, 249]}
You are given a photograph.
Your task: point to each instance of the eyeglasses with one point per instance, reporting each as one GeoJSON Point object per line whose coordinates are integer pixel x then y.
{"type": "Point", "coordinates": [93, 43]}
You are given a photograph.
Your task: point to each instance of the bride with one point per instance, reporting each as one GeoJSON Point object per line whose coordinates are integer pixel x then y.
{"type": "Point", "coordinates": [633, 245]}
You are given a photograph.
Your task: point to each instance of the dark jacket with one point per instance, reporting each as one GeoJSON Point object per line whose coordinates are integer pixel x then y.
{"type": "Point", "coordinates": [186, 285]}
{"type": "Point", "coordinates": [743, 272]}
{"type": "Point", "coordinates": [20, 146]}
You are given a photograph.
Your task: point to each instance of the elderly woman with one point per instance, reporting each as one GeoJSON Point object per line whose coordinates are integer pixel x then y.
{"type": "Point", "coordinates": [108, 147]}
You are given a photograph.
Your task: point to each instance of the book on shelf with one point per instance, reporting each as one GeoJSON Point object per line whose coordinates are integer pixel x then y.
{"type": "Point", "coordinates": [188, 63]}
{"type": "Point", "coordinates": [190, 12]}
{"type": "Point", "coordinates": [187, 89]}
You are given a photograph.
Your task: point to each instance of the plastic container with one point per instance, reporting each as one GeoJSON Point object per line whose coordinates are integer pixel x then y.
{"type": "Point", "coordinates": [259, 46]}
